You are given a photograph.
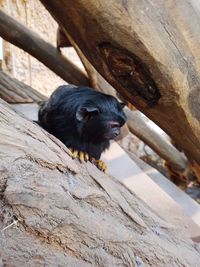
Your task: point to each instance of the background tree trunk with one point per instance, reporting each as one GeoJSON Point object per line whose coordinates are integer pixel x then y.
{"type": "Point", "coordinates": [149, 51]}
{"type": "Point", "coordinates": [58, 212]}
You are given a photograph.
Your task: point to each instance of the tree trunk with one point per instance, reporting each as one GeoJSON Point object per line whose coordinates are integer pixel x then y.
{"type": "Point", "coordinates": [14, 91]}
{"type": "Point", "coordinates": [30, 42]}
{"type": "Point", "coordinates": [149, 51]}
{"type": "Point", "coordinates": [58, 212]}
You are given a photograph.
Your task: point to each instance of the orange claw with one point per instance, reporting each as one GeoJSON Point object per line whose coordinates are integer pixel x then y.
{"type": "Point", "coordinates": [101, 165]}
{"type": "Point", "coordinates": [82, 156]}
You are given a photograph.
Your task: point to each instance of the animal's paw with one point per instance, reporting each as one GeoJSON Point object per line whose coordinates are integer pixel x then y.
{"type": "Point", "coordinates": [82, 156]}
{"type": "Point", "coordinates": [100, 164]}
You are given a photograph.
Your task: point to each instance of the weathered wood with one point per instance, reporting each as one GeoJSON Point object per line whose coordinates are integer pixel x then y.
{"type": "Point", "coordinates": [14, 91]}
{"type": "Point", "coordinates": [146, 50]}
{"type": "Point", "coordinates": [17, 34]}
{"type": "Point", "coordinates": [58, 212]}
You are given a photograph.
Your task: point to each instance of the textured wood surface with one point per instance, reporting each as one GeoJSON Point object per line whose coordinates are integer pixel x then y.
{"type": "Point", "coordinates": [58, 212]}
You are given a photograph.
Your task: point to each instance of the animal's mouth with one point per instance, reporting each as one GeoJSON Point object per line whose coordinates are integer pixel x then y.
{"type": "Point", "coordinates": [113, 130]}
{"type": "Point", "coordinates": [110, 136]}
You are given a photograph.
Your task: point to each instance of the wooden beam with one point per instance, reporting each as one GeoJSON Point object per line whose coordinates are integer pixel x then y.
{"type": "Point", "coordinates": [17, 34]}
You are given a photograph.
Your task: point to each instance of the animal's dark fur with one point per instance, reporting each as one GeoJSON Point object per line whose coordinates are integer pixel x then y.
{"type": "Point", "coordinates": [82, 118]}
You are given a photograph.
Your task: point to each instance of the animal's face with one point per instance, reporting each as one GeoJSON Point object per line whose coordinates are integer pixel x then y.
{"type": "Point", "coordinates": [100, 119]}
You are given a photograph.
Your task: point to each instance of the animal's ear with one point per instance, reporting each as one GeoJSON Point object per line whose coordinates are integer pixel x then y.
{"type": "Point", "coordinates": [122, 105]}
{"type": "Point", "coordinates": [84, 113]}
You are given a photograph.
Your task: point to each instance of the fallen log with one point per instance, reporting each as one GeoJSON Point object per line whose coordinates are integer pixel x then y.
{"type": "Point", "coordinates": [58, 212]}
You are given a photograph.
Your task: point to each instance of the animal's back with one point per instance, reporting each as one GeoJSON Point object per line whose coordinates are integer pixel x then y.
{"type": "Point", "coordinates": [53, 112]}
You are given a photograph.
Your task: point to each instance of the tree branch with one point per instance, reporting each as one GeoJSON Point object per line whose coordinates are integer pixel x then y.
{"type": "Point", "coordinates": [17, 34]}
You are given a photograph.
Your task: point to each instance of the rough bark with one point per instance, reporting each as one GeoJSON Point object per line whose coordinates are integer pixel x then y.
{"type": "Point", "coordinates": [149, 51]}
{"type": "Point", "coordinates": [58, 212]}
{"type": "Point", "coordinates": [14, 91]}
{"type": "Point", "coordinates": [30, 42]}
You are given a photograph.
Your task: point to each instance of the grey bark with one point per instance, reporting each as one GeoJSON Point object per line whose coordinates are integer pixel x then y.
{"type": "Point", "coordinates": [58, 212]}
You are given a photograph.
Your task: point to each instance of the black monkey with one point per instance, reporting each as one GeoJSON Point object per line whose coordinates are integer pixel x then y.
{"type": "Point", "coordinates": [84, 120]}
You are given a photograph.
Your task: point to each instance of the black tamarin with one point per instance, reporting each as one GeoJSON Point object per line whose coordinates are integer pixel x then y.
{"type": "Point", "coordinates": [84, 120]}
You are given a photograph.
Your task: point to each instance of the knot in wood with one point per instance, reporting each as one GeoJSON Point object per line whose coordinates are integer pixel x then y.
{"type": "Point", "coordinates": [131, 73]}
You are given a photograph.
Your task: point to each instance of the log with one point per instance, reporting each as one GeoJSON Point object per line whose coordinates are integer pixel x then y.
{"type": "Point", "coordinates": [14, 91]}
{"type": "Point", "coordinates": [58, 212]}
{"type": "Point", "coordinates": [145, 50]}
{"type": "Point", "coordinates": [30, 42]}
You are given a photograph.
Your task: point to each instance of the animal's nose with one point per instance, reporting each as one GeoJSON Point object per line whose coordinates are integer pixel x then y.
{"type": "Point", "coordinates": [116, 133]}
{"type": "Point", "coordinates": [114, 124]}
